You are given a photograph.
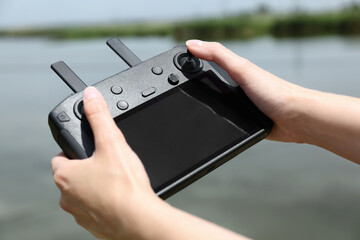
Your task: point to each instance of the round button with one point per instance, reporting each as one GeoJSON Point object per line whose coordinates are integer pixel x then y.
{"type": "Point", "coordinates": [157, 70]}
{"type": "Point", "coordinates": [116, 90]}
{"type": "Point", "coordinates": [122, 105]}
{"type": "Point", "coordinates": [173, 79]}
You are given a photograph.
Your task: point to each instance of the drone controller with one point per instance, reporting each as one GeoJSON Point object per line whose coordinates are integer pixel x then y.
{"type": "Point", "coordinates": [183, 116]}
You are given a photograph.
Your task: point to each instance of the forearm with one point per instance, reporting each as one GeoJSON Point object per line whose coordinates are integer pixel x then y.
{"type": "Point", "coordinates": [161, 221]}
{"type": "Point", "coordinates": [330, 121]}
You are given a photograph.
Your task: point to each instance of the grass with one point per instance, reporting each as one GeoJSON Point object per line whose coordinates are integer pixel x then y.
{"type": "Point", "coordinates": [302, 24]}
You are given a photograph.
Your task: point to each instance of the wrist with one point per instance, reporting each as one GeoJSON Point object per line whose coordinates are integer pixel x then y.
{"type": "Point", "coordinates": [289, 114]}
{"type": "Point", "coordinates": [140, 216]}
{"type": "Point", "coordinates": [304, 109]}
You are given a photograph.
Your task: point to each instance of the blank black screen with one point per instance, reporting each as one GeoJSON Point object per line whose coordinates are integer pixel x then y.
{"type": "Point", "coordinates": [177, 132]}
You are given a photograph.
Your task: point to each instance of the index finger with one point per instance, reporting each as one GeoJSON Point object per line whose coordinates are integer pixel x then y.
{"type": "Point", "coordinates": [58, 161]}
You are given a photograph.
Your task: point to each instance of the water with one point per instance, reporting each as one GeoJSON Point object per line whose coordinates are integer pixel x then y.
{"type": "Point", "coordinates": [272, 191]}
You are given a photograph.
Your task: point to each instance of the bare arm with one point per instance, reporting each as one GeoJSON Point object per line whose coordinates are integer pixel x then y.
{"type": "Point", "coordinates": [300, 115]}
{"type": "Point", "coordinates": [332, 122]}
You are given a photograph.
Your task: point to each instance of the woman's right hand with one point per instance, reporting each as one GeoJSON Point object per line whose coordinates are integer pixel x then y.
{"type": "Point", "coordinates": [272, 95]}
{"type": "Point", "coordinates": [300, 115]}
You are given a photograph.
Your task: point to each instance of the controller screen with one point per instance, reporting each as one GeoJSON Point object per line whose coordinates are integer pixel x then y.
{"type": "Point", "coordinates": [186, 127]}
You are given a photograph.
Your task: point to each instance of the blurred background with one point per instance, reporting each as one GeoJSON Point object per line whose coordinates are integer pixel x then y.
{"type": "Point", "coordinates": [271, 191]}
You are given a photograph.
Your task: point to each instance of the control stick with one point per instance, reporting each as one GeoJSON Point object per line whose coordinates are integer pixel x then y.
{"type": "Point", "coordinates": [186, 62]}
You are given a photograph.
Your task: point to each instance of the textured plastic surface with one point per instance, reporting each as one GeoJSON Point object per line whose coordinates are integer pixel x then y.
{"type": "Point", "coordinates": [180, 131]}
{"type": "Point", "coordinates": [68, 76]}
{"type": "Point", "coordinates": [124, 52]}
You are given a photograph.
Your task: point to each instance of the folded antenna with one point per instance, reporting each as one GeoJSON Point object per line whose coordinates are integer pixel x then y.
{"type": "Point", "coordinates": [122, 51]}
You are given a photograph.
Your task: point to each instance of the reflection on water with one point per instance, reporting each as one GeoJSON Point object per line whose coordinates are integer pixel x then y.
{"type": "Point", "coordinates": [272, 191]}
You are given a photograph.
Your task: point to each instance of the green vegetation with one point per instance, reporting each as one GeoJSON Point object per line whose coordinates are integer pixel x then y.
{"type": "Point", "coordinates": [344, 22]}
{"type": "Point", "coordinates": [94, 31]}
{"type": "Point", "coordinates": [241, 26]}
{"type": "Point", "coordinates": [231, 27]}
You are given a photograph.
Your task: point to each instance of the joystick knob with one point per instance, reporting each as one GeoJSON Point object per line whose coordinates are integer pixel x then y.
{"type": "Point", "coordinates": [186, 62]}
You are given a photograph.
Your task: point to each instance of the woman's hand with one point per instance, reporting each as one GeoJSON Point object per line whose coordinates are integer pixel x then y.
{"type": "Point", "coordinates": [300, 115]}
{"type": "Point", "coordinates": [109, 194]}
{"type": "Point", "coordinates": [106, 192]}
{"type": "Point", "coordinates": [272, 95]}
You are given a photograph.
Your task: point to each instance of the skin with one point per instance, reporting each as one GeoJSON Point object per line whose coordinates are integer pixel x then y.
{"type": "Point", "coordinates": [300, 115]}
{"type": "Point", "coordinates": [109, 194]}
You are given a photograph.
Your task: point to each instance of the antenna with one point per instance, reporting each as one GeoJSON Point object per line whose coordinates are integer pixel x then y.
{"type": "Point", "coordinates": [124, 52]}
{"type": "Point", "coordinates": [68, 76]}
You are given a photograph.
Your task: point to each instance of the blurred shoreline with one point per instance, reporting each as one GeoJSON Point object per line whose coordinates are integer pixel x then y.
{"type": "Point", "coordinates": [262, 22]}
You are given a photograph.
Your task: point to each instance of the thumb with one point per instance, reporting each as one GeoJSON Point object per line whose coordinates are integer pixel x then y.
{"type": "Point", "coordinates": [100, 119]}
{"type": "Point", "coordinates": [237, 67]}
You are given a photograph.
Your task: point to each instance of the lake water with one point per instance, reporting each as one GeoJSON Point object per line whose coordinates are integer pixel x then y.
{"type": "Point", "coordinates": [271, 191]}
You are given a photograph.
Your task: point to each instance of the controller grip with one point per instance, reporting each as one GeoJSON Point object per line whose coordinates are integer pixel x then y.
{"type": "Point", "coordinates": [70, 146]}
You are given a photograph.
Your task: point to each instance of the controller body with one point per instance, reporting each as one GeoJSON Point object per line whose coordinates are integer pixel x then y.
{"type": "Point", "coordinates": [183, 116]}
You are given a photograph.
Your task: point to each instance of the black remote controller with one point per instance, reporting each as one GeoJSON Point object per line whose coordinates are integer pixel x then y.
{"type": "Point", "coordinates": [183, 116]}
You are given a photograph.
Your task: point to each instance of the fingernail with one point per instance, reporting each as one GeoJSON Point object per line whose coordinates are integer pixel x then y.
{"type": "Point", "coordinates": [194, 43]}
{"type": "Point", "coordinates": [91, 92]}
